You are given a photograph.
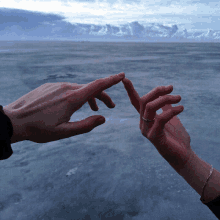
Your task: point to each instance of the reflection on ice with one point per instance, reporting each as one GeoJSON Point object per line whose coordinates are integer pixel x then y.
{"type": "Point", "coordinates": [72, 171]}
{"type": "Point", "coordinates": [116, 119]}
{"type": "Point", "coordinates": [4, 50]}
{"type": "Point", "coordinates": [120, 120]}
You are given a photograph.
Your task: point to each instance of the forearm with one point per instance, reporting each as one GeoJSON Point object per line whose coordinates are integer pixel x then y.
{"type": "Point", "coordinates": [196, 172]}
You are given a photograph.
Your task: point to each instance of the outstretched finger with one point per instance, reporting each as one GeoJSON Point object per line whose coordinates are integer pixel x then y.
{"type": "Point", "coordinates": [163, 118]}
{"type": "Point", "coordinates": [167, 107]}
{"type": "Point", "coordinates": [94, 88]}
{"type": "Point", "coordinates": [153, 95]}
{"type": "Point", "coordinates": [104, 97]}
{"type": "Point", "coordinates": [176, 125]}
{"type": "Point", "coordinates": [132, 93]}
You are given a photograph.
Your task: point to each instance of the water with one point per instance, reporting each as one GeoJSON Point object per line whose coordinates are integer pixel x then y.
{"type": "Point", "coordinates": [112, 172]}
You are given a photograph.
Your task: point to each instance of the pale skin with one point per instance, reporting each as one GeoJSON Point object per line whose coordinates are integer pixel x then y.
{"type": "Point", "coordinates": [166, 133]}
{"type": "Point", "coordinates": [43, 116]}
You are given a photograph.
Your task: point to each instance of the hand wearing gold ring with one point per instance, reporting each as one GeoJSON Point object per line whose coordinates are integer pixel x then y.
{"type": "Point", "coordinates": [147, 120]}
{"type": "Point", "coordinates": [43, 115]}
{"type": "Point", "coordinates": [164, 131]}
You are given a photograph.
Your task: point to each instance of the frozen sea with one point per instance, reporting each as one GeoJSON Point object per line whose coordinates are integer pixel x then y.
{"type": "Point", "coordinates": [112, 172]}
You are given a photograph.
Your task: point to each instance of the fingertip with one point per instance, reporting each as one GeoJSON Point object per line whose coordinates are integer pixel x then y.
{"type": "Point", "coordinates": [112, 105]}
{"type": "Point", "coordinates": [178, 109]}
{"type": "Point", "coordinates": [170, 87]}
{"type": "Point", "coordinates": [126, 80]}
{"type": "Point", "coordinates": [122, 75]}
{"type": "Point", "coordinates": [181, 108]}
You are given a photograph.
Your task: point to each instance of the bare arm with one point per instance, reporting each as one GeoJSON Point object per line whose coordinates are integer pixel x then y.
{"type": "Point", "coordinates": [196, 172]}
{"type": "Point", "coordinates": [171, 138]}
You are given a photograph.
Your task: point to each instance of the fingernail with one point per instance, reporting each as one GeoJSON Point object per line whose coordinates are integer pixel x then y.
{"type": "Point", "coordinates": [101, 120]}
{"type": "Point", "coordinates": [168, 87]}
{"type": "Point", "coordinates": [121, 74]}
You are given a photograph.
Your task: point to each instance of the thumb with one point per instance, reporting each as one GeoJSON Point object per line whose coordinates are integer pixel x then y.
{"type": "Point", "coordinates": [70, 129]}
{"type": "Point", "coordinates": [97, 120]}
{"type": "Point", "coordinates": [88, 124]}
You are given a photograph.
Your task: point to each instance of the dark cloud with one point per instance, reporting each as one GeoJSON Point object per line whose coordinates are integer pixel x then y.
{"type": "Point", "coordinates": [36, 24]}
{"type": "Point", "coordinates": [25, 19]}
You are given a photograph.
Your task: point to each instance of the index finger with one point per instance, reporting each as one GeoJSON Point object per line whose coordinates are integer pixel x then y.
{"type": "Point", "coordinates": [95, 87]}
{"type": "Point", "coordinates": [132, 93]}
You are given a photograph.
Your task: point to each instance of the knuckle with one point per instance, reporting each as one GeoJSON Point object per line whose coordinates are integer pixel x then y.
{"type": "Point", "coordinates": [99, 81]}
{"type": "Point", "coordinates": [160, 89]}
{"type": "Point", "coordinates": [149, 106]}
{"type": "Point", "coordinates": [164, 99]}
{"type": "Point", "coordinates": [167, 98]}
{"type": "Point", "coordinates": [173, 112]}
{"type": "Point", "coordinates": [65, 85]}
{"type": "Point", "coordinates": [47, 84]}
{"type": "Point", "coordinates": [141, 101]}
{"type": "Point", "coordinates": [100, 85]}
{"type": "Point", "coordinates": [160, 117]}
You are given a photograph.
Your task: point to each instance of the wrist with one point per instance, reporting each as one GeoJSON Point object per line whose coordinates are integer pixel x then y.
{"type": "Point", "coordinates": [15, 139]}
{"type": "Point", "coordinates": [195, 172]}
{"type": "Point", "coordinates": [18, 131]}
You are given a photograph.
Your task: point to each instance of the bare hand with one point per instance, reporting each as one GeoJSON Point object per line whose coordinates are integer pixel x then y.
{"type": "Point", "coordinates": [43, 114]}
{"type": "Point", "coordinates": [166, 133]}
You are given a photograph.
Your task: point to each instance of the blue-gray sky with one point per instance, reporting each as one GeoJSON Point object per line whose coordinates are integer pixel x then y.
{"type": "Point", "coordinates": [199, 14]}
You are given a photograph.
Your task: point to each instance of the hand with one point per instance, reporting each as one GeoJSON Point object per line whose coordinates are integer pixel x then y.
{"type": "Point", "coordinates": [166, 133]}
{"type": "Point", "coordinates": [42, 115]}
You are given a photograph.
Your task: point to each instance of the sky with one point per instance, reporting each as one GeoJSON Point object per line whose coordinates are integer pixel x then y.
{"type": "Point", "coordinates": [199, 14]}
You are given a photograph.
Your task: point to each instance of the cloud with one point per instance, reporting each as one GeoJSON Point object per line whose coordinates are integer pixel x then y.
{"type": "Point", "coordinates": [120, 11]}
{"type": "Point", "coordinates": [16, 24]}
{"type": "Point", "coordinates": [25, 19]}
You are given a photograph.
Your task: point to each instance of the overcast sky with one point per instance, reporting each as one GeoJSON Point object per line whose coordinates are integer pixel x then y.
{"type": "Point", "coordinates": [199, 14]}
